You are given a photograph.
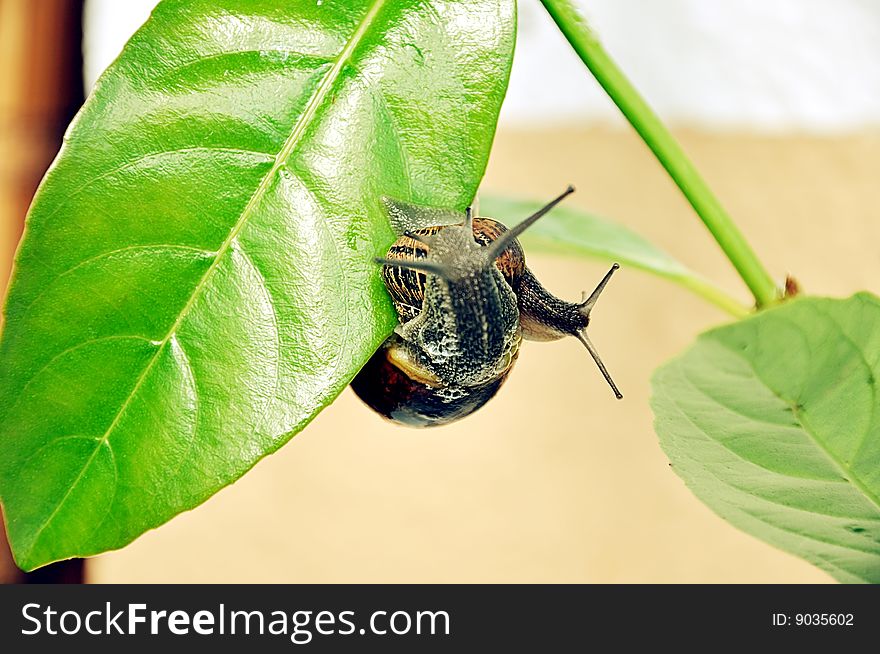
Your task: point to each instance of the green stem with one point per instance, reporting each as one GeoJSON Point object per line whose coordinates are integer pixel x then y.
{"type": "Point", "coordinates": [666, 149]}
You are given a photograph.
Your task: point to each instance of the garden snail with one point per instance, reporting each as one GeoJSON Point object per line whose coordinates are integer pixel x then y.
{"type": "Point", "coordinates": [465, 300]}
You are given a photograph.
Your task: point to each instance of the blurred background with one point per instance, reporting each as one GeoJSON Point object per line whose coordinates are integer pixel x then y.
{"type": "Point", "coordinates": [777, 102]}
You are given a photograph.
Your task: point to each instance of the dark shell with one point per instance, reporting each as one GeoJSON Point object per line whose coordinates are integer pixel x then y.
{"type": "Point", "coordinates": [393, 393]}
{"type": "Point", "coordinates": [407, 287]}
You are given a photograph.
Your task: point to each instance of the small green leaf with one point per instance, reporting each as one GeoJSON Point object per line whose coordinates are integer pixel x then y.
{"type": "Point", "coordinates": [774, 423]}
{"type": "Point", "coordinates": [196, 279]}
{"type": "Point", "coordinates": [571, 232]}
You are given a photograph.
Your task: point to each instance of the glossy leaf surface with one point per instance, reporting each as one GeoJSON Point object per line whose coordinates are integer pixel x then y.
{"type": "Point", "coordinates": [196, 278]}
{"type": "Point", "coordinates": [774, 423]}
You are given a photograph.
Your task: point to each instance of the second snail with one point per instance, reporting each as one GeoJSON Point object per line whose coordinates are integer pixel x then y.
{"type": "Point", "coordinates": [465, 299]}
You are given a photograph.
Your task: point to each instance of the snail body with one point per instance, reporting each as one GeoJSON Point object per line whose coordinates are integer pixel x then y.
{"type": "Point", "coordinates": [465, 299]}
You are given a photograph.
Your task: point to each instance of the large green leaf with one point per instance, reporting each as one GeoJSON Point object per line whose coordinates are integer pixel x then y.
{"type": "Point", "coordinates": [196, 279]}
{"type": "Point", "coordinates": [571, 232]}
{"type": "Point", "coordinates": [774, 422]}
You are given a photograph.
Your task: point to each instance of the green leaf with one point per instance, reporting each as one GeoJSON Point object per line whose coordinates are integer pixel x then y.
{"type": "Point", "coordinates": [774, 423]}
{"type": "Point", "coordinates": [571, 232]}
{"type": "Point", "coordinates": [196, 279]}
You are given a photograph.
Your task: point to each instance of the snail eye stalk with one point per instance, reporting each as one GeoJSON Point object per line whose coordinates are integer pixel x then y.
{"type": "Point", "coordinates": [585, 308]}
{"type": "Point", "coordinates": [583, 338]}
{"type": "Point", "coordinates": [590, 301]}
{"type": "Point", "coordinates": [500, 244]}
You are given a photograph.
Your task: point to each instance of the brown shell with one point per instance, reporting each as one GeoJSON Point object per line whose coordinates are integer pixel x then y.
{"type": "Point", "coordinates": [399, 396]}
{"type": "Point", "coordinates": [407, 287]}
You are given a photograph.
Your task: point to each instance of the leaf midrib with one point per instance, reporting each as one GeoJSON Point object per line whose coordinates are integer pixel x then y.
{"type": "Point", "coordinates": [847, 474]}
{"type": "Point", "coordinates": [760, 498]}
{"type": "Point", "coordinates": [741, 457]}
{"type": "Point", "coordinates": [287, 148]}
{"type": "Point", "coordinates": [745, 493]}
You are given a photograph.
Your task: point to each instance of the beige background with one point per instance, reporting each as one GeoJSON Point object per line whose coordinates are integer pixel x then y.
{"type": "Point", "coordinates": [553, 481]}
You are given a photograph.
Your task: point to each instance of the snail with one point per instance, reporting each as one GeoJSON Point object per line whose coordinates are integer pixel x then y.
{"type": "Point", "coordinates": [465, 300]}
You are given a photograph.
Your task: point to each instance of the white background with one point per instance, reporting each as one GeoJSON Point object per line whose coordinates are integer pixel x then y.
{"type": "Point", "coordinates": [765, 65]}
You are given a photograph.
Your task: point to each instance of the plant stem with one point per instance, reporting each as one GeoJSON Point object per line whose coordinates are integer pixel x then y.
{"type": "Point", "coordinates": [666, 149]}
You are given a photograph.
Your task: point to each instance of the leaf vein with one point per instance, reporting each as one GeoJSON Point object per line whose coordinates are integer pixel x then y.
{"type": "Point", "coordinates": [109, 253]}
{"type": "Point", "coordinates": [752, 496]}
{"type": "Point", "coordinates": [153, 155]}
{"type": "Point", "coordinates": [296, 57]}
{"type": "Point", "coordinates": [846, 472]}
{"type": "Point", "coordinates": [690, 382]}
{"type": "Point", "coordinates": [864, 439]}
